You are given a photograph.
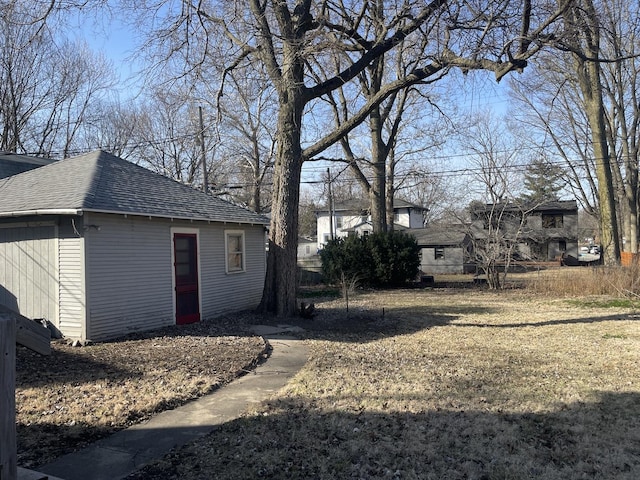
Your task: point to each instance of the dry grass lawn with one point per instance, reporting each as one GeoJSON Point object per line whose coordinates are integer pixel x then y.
{"type": "Point", "coordinates": [446, 384]}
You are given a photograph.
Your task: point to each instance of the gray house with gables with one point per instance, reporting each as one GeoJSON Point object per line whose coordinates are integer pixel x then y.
{"type": "Point", "coordinates": [542, 232]}
{"type": "Point", "coordinates": [101, 247]}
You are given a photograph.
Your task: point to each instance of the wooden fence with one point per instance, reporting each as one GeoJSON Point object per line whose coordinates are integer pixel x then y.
{"type": "Point", "coordinates": [14, 329]}
{"type": "Point", "coordinates": [8, 465]}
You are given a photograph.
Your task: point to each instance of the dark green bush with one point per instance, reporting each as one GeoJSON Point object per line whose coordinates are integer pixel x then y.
{"type": "Point", "coordinates": [344, 257]}
{"type": "Point", "coordinates": [380, 260]}
{"type": "Point", "coordinates": [396, 258]}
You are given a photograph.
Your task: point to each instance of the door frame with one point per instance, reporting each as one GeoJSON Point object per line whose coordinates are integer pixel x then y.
{"type": "Point", "coordinates": [185, 231]}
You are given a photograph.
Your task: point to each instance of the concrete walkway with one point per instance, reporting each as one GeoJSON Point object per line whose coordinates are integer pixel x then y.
{"type": "Point", "coordinates": [119, 455]}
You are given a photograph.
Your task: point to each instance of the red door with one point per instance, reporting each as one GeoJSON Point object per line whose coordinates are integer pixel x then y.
{"type": "Point", "coordinates": [185, 249]}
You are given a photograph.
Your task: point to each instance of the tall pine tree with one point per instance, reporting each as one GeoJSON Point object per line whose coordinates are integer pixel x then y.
{"type": "Point", "coordinates": [543, 182]}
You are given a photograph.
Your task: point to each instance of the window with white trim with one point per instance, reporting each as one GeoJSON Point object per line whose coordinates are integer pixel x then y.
{"type": "Point", "coordinates": [234, 246]}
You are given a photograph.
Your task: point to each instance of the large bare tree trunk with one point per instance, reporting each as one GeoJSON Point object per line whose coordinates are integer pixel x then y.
{"type": "Point", "coordinates": [378, 163]}
{"type": "Point", "coordinates": [391, 191]}
{"type": "Point", "coordinates": [279, 295]}
{"type": "Point", "coordinates": [584, 19]}
{"type": "Point", "coordinates": [621, 80]}
{"type": "Point", "coordinates": [609, 236]}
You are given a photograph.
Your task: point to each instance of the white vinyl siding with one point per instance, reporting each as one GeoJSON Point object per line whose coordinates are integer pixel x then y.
{"type": "Point", "coordinates": [220, 292]}
{"type": "Point", "coordinates": [129, 275]}
{"type": "Point", "coordinates": [28, 270]}
{"type": "Point", "coordinates": [130, 272]}
{"type": "Point", "coordinates": [101, 276]}
{"type": "Point", "coordinates": [72, 300]}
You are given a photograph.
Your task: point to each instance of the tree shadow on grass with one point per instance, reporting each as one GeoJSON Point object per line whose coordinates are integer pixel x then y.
{"type": "Point", "coordinates": [375, 322]}
{"type": "Point", "coordinates": [64, 370]}
{"type": "Point", "coordinates": [294, 439]}
{"type": "Point", "coordinates": [76, 395]}
{"type": "Point", "coordinates": [550, 323]}
{"type": "Point", "coordinates": [367, 325]}
{"type": "Point", "coordinates": [42, 442]}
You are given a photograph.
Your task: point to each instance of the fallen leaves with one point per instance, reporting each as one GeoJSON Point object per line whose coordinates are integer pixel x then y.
{"type": "Point", "coordinates": [77, 395]}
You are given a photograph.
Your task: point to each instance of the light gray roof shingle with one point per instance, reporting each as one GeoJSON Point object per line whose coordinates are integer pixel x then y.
{"type": "Point", "coordinates": [557, 205]}
{"type": "Point", "coordinates": [439, 235]}
{"type": "Point", "coordinates": [101, 182]}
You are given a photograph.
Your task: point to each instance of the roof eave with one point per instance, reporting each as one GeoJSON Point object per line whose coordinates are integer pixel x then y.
{"type": "Point", "coordinates": [177, 217]}
{"type": "Point", "coordinates": [80, 212]}
{"type": "Point", "coordinates": [44, 211]}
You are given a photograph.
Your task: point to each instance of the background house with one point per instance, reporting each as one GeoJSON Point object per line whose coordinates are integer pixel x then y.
{"type": "Point", "coordinates": [101, 247]}
{"type": "Point", "coordinates": [13, 163]}
{"type": "Point", "coordinates": [309, 263]}
{"type": "Point", "coordinates": [352, 217]}
{"type": "Point", "coordinates": [307, 247]}
{"type": "Point", "coordinates": [444, 249]}
{"type": "Point", "coordinates": [543, 232]}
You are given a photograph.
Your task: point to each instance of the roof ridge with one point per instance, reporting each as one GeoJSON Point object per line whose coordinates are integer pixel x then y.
{"type": "Point", "coordinates": [95, 179]}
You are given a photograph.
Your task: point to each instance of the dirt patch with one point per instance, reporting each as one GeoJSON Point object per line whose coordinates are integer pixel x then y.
{"type": "Point", "coordinates": [80, 394]}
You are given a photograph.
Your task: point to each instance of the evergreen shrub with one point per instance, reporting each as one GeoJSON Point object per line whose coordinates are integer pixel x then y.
{"type": "Point", "coordinates": [387, 259]}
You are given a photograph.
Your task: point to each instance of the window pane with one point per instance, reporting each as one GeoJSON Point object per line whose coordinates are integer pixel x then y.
{"type": "Point", "coordinates": [234, 252]}
{"type": "Point", "coordinates": [183, 269]}
{"type": "Point", "coordinates": [182, 243]}
{"type": "Point", "coordinates": [182, 256]}
{"type": "Point", "coordinates": [235, 261]}
{"type": "Point", "coordinates": [233, 243]}
{"type": "Point", "coordinates": [552, 221]}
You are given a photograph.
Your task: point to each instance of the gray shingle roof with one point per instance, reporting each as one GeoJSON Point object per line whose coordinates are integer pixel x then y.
{"type": "Point", "coordinates": [439, 235]}
{"type": "Point", "coordinates": [558, 205]}
{"type": "Point", "coordinates": [101, 182]}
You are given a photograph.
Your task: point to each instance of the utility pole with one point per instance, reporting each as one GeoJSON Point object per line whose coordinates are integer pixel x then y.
{"type": "Point", "coordinates": [330, 205]}
{"type": "Point", "coordinates": [205, 183]}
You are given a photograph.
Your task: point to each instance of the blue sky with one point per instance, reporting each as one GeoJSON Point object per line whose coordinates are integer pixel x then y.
{"type": "Point", "coordinates": [111, 37]}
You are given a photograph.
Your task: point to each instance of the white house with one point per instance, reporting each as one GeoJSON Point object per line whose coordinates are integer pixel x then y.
{"type": "Point", "coordinates": [353, 217]}
{"type": "Point", "coordinates": [101, 247]}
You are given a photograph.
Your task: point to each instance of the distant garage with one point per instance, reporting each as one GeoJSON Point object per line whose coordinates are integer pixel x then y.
{"type": "Point", "coordinates": [443, 249]}
{"type": "Point", "coordinates": [101, 247]}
